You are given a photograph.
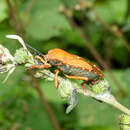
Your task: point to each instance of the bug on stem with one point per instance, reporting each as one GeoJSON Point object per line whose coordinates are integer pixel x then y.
{"type": "Point", "coordinates": [72, 66]}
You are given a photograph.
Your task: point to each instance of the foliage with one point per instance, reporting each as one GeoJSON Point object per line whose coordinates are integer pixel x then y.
{"type": "Point", "coordinates": [3, 10]}
{"type": "Point", "coordinates": [45, 28]}
{"type": "Point", "coordinates": [53, 23]}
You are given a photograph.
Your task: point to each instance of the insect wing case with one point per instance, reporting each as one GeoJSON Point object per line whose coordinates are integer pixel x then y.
{"type": "Point", "coordinates": [73, 65]}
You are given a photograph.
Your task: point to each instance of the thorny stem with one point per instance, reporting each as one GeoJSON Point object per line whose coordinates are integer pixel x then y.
{"type": "Point", "coordinates": [68, 14]}
{"type": "Point", "coordinates": [18, 28]}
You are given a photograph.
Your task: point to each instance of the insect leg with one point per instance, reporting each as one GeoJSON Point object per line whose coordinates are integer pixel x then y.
{"type": "Point", "coordinates": [39, 66]}
{"type": "Point", "coordinates": [39, 58]}
{"type": "Point", "coordinates": [94, 82]}
{"type": "Point", "coordinates": [82, 85]}
{"type": "Point", "coordinates": [79, 78]}
{"type": "Point", "coordinates": [56, 78]}
{"type": "Point", "coordinates": [76, 77]}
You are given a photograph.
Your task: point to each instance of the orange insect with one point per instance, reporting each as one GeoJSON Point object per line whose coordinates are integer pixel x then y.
{"type": "Point", "coordinates": [72, 66]}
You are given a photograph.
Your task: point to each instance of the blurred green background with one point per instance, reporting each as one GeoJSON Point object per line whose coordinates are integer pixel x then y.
{"type": "Point", "coordinates": [105, 23]}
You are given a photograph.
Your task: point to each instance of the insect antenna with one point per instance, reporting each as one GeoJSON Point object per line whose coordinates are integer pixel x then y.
{"type": "Point", "coordinates": [35, 50]}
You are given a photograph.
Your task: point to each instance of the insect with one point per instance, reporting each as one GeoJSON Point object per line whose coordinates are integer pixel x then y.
{"type": "Point", "coordinates": [72, 66]}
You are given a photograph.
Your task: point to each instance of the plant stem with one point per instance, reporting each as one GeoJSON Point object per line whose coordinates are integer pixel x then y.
{"type": "Point", "coordinates": [19, 30]}
{"type": "Point", "coordinates": [17, 25]}
{"type": "Point", "coordinates": [83, 4]}
{"type": "Point", "coordinates": [118, 33]}
{"type": "Point", "coordinates": [46, 106]}
{"type": "Point", "coordinates": [107, 98]}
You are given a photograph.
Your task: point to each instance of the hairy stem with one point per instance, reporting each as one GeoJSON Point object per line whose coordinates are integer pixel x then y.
{"type": "Point", "coordinates": [109, 99]}
{"type": "Point", "coordinates": [106, 97]}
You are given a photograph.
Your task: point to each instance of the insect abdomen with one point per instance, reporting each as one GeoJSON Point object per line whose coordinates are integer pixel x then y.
{"type": "Point", "coordinates": [77, 72]}
{"type": "Point", "coordinates": [73, 71]}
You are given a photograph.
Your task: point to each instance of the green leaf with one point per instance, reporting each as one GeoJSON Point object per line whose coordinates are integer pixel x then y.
{"type": "Point", "coordinates": [72, 38]}
{"type": "Point", "coordinates": [118, 74]}
{"type": "Point", "coordinates": [45, 20]}
{"type": "Point", "coordinates": [36, 117]}
{"type": "Point", "coordinates": [1, 115]}
{"type": "Point", "coordinates": [126, 26]}
{"type": "Point", "coordinates": [3, 10]}
{"type": "Point", "coordinates": [112, 11]}
{"type": "Point", "coordinates": [90, 111]}
{"type": "Point", "coordinates": [51, 92]}
{"type": "Point", "coordinates": [102, 128]}
{"type": "Point", "coordinates": [123, 53]}
{"type": "Point", "coordinates": [13, 86]}
{"type": "Point", "coordinates": [126, 76]}
{"type": "Point", "coordinates": [70, 3]}
{"type": "Point", "coordinates": [94, 34]}
{"type": "Point", "coordinates": [6, 29]}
